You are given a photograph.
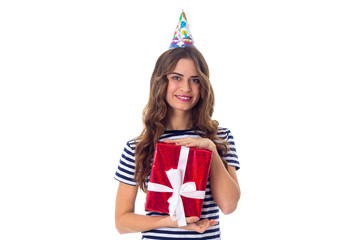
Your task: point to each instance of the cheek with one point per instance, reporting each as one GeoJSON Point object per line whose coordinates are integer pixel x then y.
{"type": "Point", "coordinates": [169, 89]}
{"type": "Point", "coordinates": [196, 90]}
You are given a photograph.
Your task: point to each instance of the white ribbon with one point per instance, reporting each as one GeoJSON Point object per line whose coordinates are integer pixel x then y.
{"type": "Point", "coordinates": [176, 178]}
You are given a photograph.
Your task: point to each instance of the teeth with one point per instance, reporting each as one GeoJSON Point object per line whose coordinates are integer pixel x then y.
{"type": "Point", "coordinates": [185, 98]}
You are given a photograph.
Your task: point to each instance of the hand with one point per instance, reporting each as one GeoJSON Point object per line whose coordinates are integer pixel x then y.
{"type": "Point", "coordinates": [200, 226]}
{"type": "Point", "coordinates": [194, 142]}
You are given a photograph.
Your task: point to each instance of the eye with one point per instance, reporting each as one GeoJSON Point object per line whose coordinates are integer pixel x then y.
{"type": "Point", "coordinates": [176, 78]}
{"type": "Point", "coordinates": [195, 80]}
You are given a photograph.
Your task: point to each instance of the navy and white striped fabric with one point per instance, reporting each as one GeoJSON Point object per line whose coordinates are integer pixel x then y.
{"type": "Point", "coordinates": [125, 174]}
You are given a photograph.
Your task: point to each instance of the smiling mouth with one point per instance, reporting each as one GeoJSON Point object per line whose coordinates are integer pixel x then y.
{"type": "Point", "coordinates": [183, 98]}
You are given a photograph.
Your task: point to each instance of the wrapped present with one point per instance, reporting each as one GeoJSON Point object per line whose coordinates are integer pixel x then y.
{"type": "Point", "coordinates": [178, 181]}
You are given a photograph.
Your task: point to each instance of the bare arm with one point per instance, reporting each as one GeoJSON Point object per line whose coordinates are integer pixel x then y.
{"type": "Point", "coordinates": [224, 185]}
{"type": "Point", "coordinates": [127, 221]}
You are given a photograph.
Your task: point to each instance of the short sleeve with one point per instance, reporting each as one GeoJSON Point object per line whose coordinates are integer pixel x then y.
{"type": "Point", "coordinates": [231, 157]}
{"type": "Point", "coordinates": [126, 169]}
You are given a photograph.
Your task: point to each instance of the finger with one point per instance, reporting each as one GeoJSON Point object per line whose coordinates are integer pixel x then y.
{"type": "Point", "coordinates": [213, 222]}
{"type": "Point", "coordinates": [181, 143]}
{"type": "Point", "coordinates": [192, 219]}
{"type": "Point", "coordinates": [187, 142]}
{"type": "Point", "coordinates": [175, 141]}
{"type": "Point", "coordinates": [178, 139]}
{"type": "Point", "coordinates": [190, 145]}
{"type": "Point", "coordinates": [205, 226]}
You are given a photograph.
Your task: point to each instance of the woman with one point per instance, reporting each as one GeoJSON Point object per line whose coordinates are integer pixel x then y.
{"type": "Point", "coordinates": [179, 111]}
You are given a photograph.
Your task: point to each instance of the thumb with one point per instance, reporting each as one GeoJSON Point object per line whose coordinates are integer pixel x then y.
{"type": "Point", "coordinates": [192, 219]}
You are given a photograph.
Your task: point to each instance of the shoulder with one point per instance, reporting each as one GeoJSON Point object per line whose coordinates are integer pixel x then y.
{"type": "Point", "coordinates": [129, 150]}
{"type": "Point", "coordinates": [126, 167]}
{"type": "Point", "coordinates": [224, 134]}
{"type": "Point", "coordinates": [131, 143]}
{"type": "Point", "coordinates": [231, 156]}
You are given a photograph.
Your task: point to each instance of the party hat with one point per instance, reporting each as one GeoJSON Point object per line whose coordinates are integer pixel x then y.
{"type": "Point", "coordinates": [182, 35]}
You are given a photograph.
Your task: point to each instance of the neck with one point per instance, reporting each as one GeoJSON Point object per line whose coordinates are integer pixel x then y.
{"type": "Point", "coordinates": [178, 120]}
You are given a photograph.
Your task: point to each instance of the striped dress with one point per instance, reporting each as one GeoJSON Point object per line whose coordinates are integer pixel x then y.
{"type": "Point", "coordinates": [125, 174]}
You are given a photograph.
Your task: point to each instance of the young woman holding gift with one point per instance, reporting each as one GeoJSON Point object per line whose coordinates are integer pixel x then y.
{"type": "Point", "coordinates": [179, 111]}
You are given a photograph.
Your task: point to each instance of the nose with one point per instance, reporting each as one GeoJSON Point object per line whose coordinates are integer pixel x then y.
{"type": "Point", "coordinates": [185, 86]}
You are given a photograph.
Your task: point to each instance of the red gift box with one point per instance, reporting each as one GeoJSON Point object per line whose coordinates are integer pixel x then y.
{"type": "Point", "coordinates": [178, 181]}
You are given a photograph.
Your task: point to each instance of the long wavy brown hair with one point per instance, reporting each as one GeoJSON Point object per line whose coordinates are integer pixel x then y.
{"type": "Point", "coordinates": [155, 112]}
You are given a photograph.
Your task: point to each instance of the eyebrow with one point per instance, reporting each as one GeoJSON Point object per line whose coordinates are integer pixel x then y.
{"type": "Point", "coordinates": [183, 75]}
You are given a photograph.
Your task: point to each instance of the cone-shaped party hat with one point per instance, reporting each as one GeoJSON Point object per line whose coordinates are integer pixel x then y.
{"type": "Point", "coordinates": [182, 35]}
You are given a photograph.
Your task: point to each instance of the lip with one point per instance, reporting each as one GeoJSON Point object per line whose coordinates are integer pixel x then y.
{"type": "Point", "coordinates": [183, 98]}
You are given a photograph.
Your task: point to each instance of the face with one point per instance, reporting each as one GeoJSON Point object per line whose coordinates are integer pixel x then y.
{"type": "Point", "coordinates": [183, 91]}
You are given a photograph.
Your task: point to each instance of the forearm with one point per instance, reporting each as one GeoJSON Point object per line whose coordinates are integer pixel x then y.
{"type": "Point", "coordinates": [224, 188]}
{"type": "Point", "coordinates": [130, 222]}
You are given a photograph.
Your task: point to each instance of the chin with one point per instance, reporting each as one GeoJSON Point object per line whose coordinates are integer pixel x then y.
{"type": "Point", "coordinates": [182, 108]}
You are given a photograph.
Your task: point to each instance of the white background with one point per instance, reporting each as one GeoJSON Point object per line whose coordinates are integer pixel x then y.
{"type": "Point", "coordinates": [75, 78]}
